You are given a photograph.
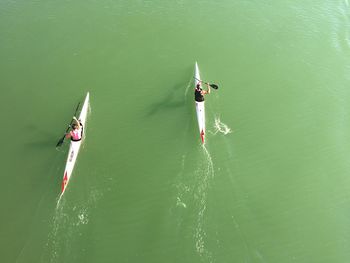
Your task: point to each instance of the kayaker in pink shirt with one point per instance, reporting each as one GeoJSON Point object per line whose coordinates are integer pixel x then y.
{"type": "Point", "coordinates": [77, 131]}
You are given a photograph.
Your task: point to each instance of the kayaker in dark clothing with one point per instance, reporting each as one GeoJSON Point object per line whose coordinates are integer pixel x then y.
{"type": "Point", "coordinates": [199, 92]}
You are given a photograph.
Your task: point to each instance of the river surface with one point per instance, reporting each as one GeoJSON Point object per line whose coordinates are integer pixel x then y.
{"type": "Point", "coordinates": [272, 182]}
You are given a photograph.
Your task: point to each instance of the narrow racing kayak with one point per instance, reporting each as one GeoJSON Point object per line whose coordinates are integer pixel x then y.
{"type": "Point", "coordinates": [75, 146]}
{"type": "Point", "coordinates": [200, 107]}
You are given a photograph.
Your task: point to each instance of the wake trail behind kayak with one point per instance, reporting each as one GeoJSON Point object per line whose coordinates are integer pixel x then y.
{"type": "Point", "coordinates": [205, 175]}
{"type": "Point", "coordinates": [39, 208]}
{"type": "Point", "coordinates": [68, 225]}
{"type": "Point", "coordinates": [193, 187]}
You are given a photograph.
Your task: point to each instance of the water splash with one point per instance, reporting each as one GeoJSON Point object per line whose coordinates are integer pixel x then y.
{"type": "Point", "coordinates": [221, 127]}
{"type": "Point", "coordinates": [180, 203]}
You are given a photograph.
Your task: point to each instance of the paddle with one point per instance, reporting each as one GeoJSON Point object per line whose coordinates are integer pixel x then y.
{"type": "Point", "coordinates": [214, 86]}
{"type": "Point", "coordinates": [60, 142]}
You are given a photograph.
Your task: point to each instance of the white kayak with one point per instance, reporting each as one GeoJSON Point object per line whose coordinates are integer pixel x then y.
{"type": "Point", "coordinates": [200, 108]}
{"type": "Point", "coordinates": [75, 146]}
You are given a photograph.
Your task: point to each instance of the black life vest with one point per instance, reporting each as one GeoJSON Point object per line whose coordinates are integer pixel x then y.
{"type": "Point", "coordinates": [198, 95]}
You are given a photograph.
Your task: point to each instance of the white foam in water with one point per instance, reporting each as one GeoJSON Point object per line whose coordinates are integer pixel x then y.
{"type": "Point", "coordinates": [67, 221]}
{"type": "Point", "coordinates": [180, 203]}
{"type": "Point", "coordinates": [83, 218]}
{"type": "Point", "coordinates": [205, 174]}
{"type": "Point", "coordinates": [221, 127]}
{"type": "Point", "coordinates": [193, 188]}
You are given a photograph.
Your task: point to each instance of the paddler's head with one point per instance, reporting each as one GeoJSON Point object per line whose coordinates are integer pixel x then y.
{"type": "Point", "coordinates": [75, 126]}
{"type": "Point", "coordinates": [198, 86]}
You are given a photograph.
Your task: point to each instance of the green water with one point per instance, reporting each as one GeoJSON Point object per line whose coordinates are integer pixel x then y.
{"type": "Point", "coordinates": [272, 182]}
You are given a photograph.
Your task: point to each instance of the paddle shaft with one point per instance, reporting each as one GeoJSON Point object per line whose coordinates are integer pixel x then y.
{"type": "Point", "coordinates": [64, 135]}
{"type": "Point", "coordinates": [211, 85]}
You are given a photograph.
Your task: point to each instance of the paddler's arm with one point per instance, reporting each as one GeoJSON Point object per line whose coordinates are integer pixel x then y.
{"type": "Point", "coordinates": [68, 135]}
{"type": "Point", "coordinates": [206, 91]}
{"type": "Point", "coordinates": [208, 86]}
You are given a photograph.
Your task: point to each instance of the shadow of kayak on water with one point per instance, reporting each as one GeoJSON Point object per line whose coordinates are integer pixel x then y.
{"type": "Point", "coordinates": [173, 99]}
{"type": "Point", "coordinates": [39, 138]}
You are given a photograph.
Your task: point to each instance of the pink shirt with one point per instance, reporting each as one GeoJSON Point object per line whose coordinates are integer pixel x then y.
{"type": "Point", "coordinates": [76, 134]}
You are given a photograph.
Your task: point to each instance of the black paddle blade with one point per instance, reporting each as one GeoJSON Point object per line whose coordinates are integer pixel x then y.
{"type": "Point", "coordinates": [214, 86]}
{"type": "Point", "coordinates": [60, 142]}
